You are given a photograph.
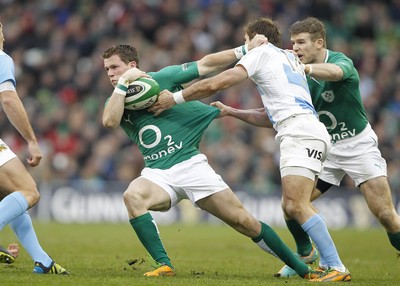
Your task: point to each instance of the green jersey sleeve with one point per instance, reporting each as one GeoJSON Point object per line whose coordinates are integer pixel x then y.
{"type": "Point", "coordinates": [172, 77]}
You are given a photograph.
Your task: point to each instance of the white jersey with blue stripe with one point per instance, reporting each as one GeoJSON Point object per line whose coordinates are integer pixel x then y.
{"type": "Point", "coordinates": [280, 80]}
{"type": "Point", "coordinates": [7, 68]}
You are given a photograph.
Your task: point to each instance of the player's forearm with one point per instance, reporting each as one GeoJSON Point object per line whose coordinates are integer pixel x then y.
{"type": "Point", "coordinates": [16, 113]}
{"type": "Point", "coordinates": [255, 117]}
{"type": "Point", "coordinates": [113, 111]}
{"type": "Point", "coordinates": [201, 89]}
{"type": "Point", "coordinates": [220, 60]}
{"type": "Point", "coordinates": [324, 71]}
{"type": "Point", "coordinates": [216, 61]}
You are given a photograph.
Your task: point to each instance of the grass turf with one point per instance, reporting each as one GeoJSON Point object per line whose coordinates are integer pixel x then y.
{"type": "Point", "coordinates": [110, 254]}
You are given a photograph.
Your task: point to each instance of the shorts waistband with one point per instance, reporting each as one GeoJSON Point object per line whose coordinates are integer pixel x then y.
{"type": "Point", "coordinates": [295, 117]}
{"type": "Point", "coordinates": [366, 130]}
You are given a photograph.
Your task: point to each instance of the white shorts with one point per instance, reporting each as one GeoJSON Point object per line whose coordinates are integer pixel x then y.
{"type": "Point", "coordinates": [193, 179]}
{"type": "Point", "coordinates": [304, 143]}
{"type": "Point", "coordinates": [359, 157]}
{"type": "Point", "coordinates": [5, 153]}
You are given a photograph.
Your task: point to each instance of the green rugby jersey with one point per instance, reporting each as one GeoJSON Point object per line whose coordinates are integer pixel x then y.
{"type": "Point", "coordinates": [175, 134]}
{"type": "Point", "coordinates": [338, 103]}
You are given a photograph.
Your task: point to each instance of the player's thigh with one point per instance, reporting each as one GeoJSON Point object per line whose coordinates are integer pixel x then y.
{"type": "Point", "coordinates": [148, 194]}
{"type": "Point", "coordinates": [297, 188]}
{"type": "Point", "coordinates": [15, 177]}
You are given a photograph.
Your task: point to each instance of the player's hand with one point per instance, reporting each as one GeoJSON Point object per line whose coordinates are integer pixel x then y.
{"type": "Point", "coordinates": [36, 155]}
{"type": "Point", "coordinates": [257, 41]}
{"type": "Point", "coordinates": [300, 63]}
{"type": "Point", "coordinates": [165, 101]}
{"type": "Point", "coordinates": [133, 74]}
{"type": "Point", "coordinates": [222, 107]}
{"type": "Point", "coordinates": [13, 248]}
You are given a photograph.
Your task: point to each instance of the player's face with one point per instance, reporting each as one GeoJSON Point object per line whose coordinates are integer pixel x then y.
{"type": "Point", "coordinates": [115, 67]}
{"type": "Point", "coordinates": [306, 49]}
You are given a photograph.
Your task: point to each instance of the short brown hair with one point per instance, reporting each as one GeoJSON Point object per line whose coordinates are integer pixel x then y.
{"type": "Point", "coordinates": [267, 27]}
{"type": "Point", "coordinates": [127, 53]}
{"type": "Point", "coordinates": [310, 25]}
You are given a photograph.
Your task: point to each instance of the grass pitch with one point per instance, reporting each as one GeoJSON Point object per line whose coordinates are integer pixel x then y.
{"type": "Point", "coordinates": [110, 254]}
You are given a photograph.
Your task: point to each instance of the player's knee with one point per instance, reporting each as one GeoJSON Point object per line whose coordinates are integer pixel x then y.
{"type": "Point", "coordinates": [386, 217]}
{"type": "Point", "coordinates": [247, 225]}
{"type": "Point", "coordinates": [32, 195]}
{"type": "Point", "coordinates": [291, 208]}
{"type": "Point", "coordinates": [133, 199]}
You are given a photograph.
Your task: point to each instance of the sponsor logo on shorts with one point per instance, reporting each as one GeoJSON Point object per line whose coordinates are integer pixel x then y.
{"type": "Point", "coordinates": [3, 147]}
{"type": "Point", "coordinates": [313, 153]}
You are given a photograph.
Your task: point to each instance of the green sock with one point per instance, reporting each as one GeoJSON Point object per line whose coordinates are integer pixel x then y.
{"type": "Point", "coordinates": [303, 241]}
{"type": "Point", "coordinates": [147, 232]}
{"type": "Point", "coordinates": [395, 240]}
{"type": "Point", "coordinates": [272, 241]}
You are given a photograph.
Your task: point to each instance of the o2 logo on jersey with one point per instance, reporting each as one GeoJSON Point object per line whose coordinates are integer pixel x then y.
{"type": "Point", "coordinates": [171, 145]}
{"type": "Point", "coordinates": [328, 96]}
{"type": "Point", "coordinates": [157, 133]}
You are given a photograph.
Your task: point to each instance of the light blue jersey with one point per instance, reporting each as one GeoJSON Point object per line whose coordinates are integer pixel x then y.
{"type": "Point", "coordinates": [7, 68]}
{"type": "Point", "coordinates": [280, 80]}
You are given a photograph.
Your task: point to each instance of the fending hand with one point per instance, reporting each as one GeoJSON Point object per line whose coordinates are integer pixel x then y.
{"type": "Point", "coordinates": [165, 101]}
{"type": "Point", "coordinates": [222, 107]}
{"type": "Point", "coordinates": [257, 41]}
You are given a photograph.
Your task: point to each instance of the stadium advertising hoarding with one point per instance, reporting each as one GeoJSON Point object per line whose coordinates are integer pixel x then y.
{"type": "Point", "coordinates": [101, 202]}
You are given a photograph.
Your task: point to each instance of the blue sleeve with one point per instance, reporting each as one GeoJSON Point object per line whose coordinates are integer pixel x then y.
{"type": "Point", "coordinates": [7, 69]}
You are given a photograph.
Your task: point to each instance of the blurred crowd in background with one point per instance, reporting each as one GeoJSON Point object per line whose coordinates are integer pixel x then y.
{"type": "Point", "coordinates": [57, 47]}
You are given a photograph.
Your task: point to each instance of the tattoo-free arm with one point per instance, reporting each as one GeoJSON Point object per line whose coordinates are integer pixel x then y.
{"type": "Point", "coordinates": [324, 71]}
{"type": "Point", "coordinates": [256, 117]}
{"type": "Point", "coordinates": [220, 60]}
{"type": "Point", "coordinates": [201, 89]}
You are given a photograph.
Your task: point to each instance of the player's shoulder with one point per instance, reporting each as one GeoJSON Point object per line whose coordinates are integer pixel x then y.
{"type": "Point", "coordinates": [334, 56]}
{"type": "Point", "coordinates": [5, 58]}
{"type": "Point", "coordinates": [3, 53]}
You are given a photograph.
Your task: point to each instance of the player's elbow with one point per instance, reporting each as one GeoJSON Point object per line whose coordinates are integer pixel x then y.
{"type": "Point", "coordinates": [110, 122]}
{"type": "Point", "coordinates": [337, 74]}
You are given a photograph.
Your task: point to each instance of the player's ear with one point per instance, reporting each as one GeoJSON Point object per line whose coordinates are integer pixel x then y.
{"type": "Point", "coordinates": [133, 64]}
{"type": "Point", "coordinates": [320, 43]}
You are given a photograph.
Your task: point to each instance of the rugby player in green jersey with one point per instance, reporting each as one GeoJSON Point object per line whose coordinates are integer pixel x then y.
{"type": "Point", "coordinates": [334, 86]}
{"type": "Point", "coordinates": [174, 167]}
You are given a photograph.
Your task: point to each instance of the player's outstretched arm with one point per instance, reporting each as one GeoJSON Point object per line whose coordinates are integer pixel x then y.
{"type": "Point", "coordinates": [256, 117]}
{"type": "Point", "coordinates": [200, 89]}
{"type": "Point", "coordinates": [218, 61]}
{"type": "Point", "coordinates": [324, 71]}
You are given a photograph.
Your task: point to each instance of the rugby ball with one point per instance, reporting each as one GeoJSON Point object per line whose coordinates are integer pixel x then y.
{"type": "Point", "coordinates": [142, 93]}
